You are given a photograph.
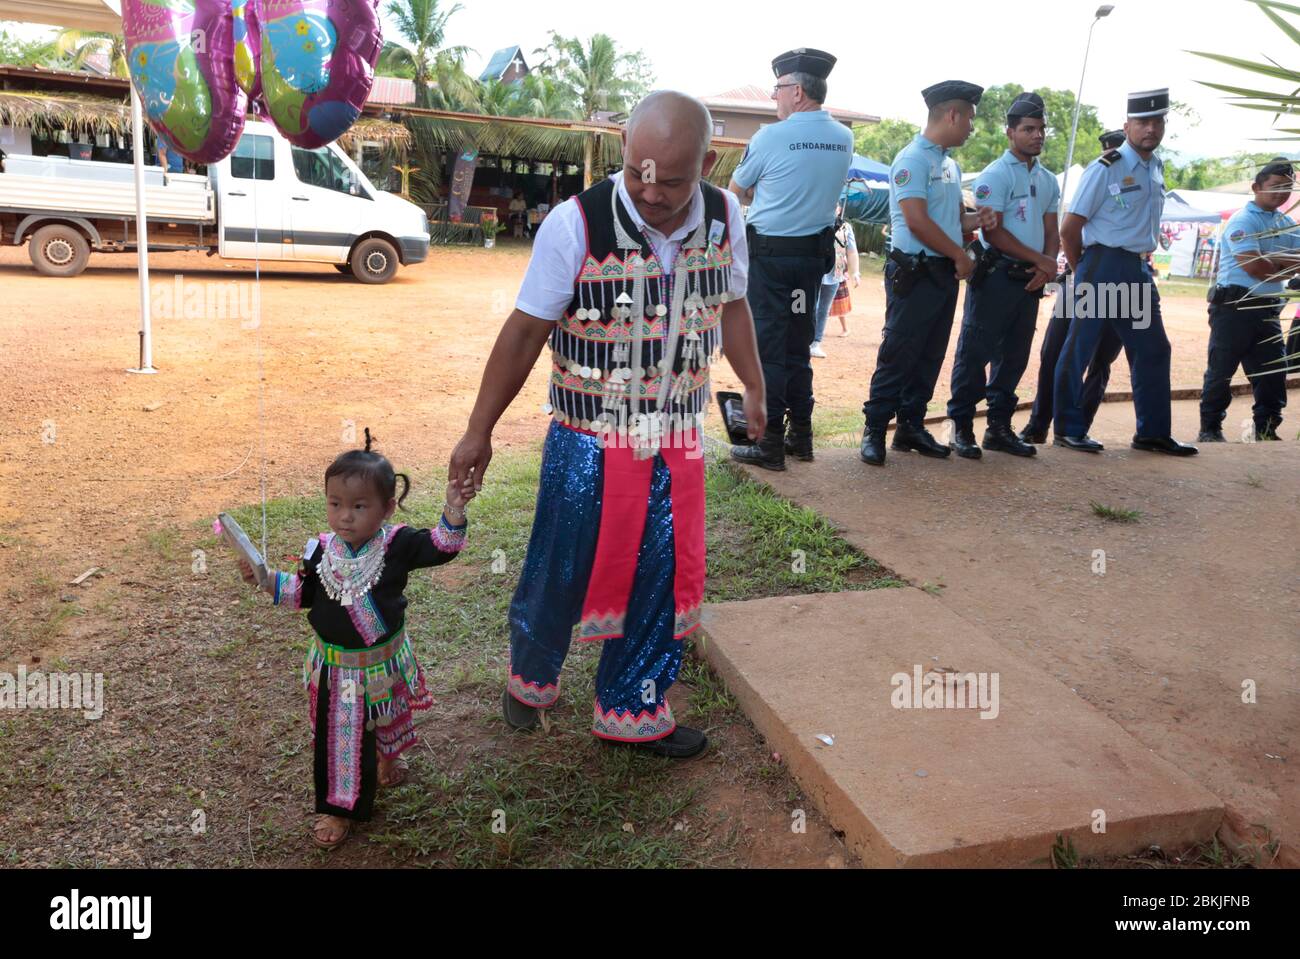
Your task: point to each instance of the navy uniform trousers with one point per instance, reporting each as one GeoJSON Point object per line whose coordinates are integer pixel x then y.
{"type": "Point", "coordinates": [1094, 381]}
{"type": "Point", "coordinates": [782, 293]}
{"type": "Point", "coordinates": [1143, 337]}
{"type": "Point", "coordinates": [997, 328]}
{"type": "Point", "coordinates": [1250, 338]}
{"type": "Point", "coordinates": [917, 327]}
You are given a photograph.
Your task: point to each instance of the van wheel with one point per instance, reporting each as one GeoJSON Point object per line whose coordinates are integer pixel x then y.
{"type": "Point", "coordinates": [374, 261]}
{"type": "Point", "coordinates": [58, 250]}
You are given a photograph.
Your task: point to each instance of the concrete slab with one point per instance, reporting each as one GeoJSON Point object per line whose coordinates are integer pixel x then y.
{"type": "Point", "coordinates": [941, 786]}
{"type": "Point", "coordinates": [1196, 600]}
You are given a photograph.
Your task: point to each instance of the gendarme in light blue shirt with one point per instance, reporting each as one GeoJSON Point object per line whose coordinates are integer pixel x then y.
{"type": "Point", "coordinates": [1244, 233]}
{"type": "Point", "coordinates": [1122, 202]}
{"type": "Point", "coordinates": [797, 168]}
{"type": "Point", "coordinates": [1022, 195]}
{"type": "Point", "coordinates": [923, 170]}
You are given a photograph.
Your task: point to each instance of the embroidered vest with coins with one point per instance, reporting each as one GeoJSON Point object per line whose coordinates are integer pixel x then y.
{"type": "Point", "coordinates": [632, 350]}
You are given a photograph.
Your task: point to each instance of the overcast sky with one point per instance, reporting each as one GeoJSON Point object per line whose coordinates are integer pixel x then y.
{"type": "Point", "coordinates": [704, 48]}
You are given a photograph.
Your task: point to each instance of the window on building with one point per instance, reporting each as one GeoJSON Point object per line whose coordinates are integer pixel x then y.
{"type": "Point", "coordinates": [254, 158]}
{"type": "Point", "coordinates": [718, 127]}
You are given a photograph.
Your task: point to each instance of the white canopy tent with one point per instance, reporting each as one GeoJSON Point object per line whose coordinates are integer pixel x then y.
{"type": "Point", "coordinates": [105, 15]}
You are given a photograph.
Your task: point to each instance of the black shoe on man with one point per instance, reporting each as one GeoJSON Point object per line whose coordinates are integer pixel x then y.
{"type": "Point", "coordinates": [799, 441]}
{"type": "Point", "coordinates": [1211, 432]}
{"type": "Point", "coordinates": [682, 743]}
{"type": "Point", "coordinates": [1266, 430]}
{"type": "Point", "coordinates": [963, 441]}
{"type": "Point", "coordinates": [1085, 444]}
{"type": "Point", "coordinates": [1033, 436]}
{"type": "Point", "coordinates": [998, 437]}
{"type": "Point", "coordinates": [918, 440]}
{"type": "Point", "coordinates": [873, 447]}
{"type": "Point", "coordinates": [768, 452]}
{"type": "Point", "coordinates": [519, 715]}
{"type": "Point", "coordinates": [1163, 444]}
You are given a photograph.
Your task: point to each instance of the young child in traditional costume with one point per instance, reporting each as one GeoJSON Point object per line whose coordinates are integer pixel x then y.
{"type": "Point", "coordinates": [360, 671]}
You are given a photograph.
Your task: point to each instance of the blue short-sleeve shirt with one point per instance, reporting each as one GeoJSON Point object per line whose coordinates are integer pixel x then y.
{"type": "Point", "coordinates": [1122, 202]}
{"type": "Point", "coordinates": [924, 170]}
{"type": "Point", "coordinates": [1023, 195]}
{"type": "Point", "coordinates": [1254, 230]}
{"type": "Point", "coordinates": [797, 168]}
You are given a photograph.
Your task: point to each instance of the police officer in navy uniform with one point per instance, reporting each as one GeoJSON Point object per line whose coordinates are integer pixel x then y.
{"type": "Point", "coordinates": [1112, 227]}
{"type": "Point", "coordinates": [922, 274]}
{"type": "Point", "coordinates": [1098, 375]}
{"type": "Point", "coordinates": [1259, 253]}
{"type": "Point", "coordinates": [790, 178]}
{"type": "Point", "coordinates": [1003, 295]}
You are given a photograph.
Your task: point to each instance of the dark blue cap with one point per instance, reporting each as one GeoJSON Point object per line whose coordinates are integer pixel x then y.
{"type": "Point", "coordinates": [952, 90]}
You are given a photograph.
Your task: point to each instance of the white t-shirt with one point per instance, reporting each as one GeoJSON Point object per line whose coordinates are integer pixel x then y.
{"type": "Point", "coordinates": [561, 245]}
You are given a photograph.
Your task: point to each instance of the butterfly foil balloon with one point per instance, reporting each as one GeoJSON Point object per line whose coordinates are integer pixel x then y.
{"type": "Point", "coordinates": [181, 55]}
{"type": "Point", "coordinates": [248, 47]}
{"type": "Point", "coordinates": [317, 64]}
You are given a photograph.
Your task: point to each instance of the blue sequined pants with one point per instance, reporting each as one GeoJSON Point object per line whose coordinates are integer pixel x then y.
{"type": "Point", "coordinates": [635, 670]}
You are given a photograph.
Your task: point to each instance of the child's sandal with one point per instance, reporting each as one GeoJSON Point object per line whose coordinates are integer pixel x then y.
{"type": "Point", "coordinates": [396, 773]}
{"type": "Point", "coordinates": [316, 827]}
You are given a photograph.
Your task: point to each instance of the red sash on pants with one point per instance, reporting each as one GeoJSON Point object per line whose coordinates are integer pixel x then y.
{"type": "Point", "coordinates": [624, 503]}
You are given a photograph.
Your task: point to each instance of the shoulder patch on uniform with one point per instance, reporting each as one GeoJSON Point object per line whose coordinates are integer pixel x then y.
{"type": "Point", "coordinates": [902, 176]}
{"type": "Point", "coordinates": [1237, 235]}
{"type": "Point", "coordinates": [1109, 157]}
{"type": "Point", "coordinates": [982, 191]}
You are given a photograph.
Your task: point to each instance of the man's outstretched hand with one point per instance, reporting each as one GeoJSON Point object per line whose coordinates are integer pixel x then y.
{"type": "Point", "coordinates": [470, 458]}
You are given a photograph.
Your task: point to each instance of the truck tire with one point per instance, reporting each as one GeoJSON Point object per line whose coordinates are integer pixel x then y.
{"type": "Point", "coordinates": [58, 250]}
{"type": "Point", "coordinates": [374, 260]}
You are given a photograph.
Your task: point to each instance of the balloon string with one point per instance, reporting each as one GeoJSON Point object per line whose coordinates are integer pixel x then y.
{"type": "Point", "coordinates": [257, 337]}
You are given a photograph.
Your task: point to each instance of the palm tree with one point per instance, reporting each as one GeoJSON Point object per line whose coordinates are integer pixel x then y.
{"type": "Point", "coordinates": [498, 99]}
{"type": "Point", "coordinates": [543, 96]}
{"type": "Point", "coordinates": [597, 77]}
{"type": "Point", "coordinates": [438, 71]}
{"type": "Point", "coordinates": [80, 45]}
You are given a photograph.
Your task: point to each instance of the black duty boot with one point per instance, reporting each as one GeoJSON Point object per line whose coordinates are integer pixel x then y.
{"type": "Point", "coordinates": [918, 439]}
{"type": "Point", "coordinates": [873, 446]}
{"type": "Point", "coordinates": [1267, 429]}
{"type": "Point", "coordinates": [1031, 435]}
{"type": "Point", "coordinates": [1211, 432]}
{"type": "Point", "coordinates": [768, 452]}
{"type": "Point", "coordinates": [682, 743]}
{"type": "Point", "coordinates": [963, 441]}
{"type": "Point", "coordinates": [799, 440]}
{"type": "Point", "coordinates": [999, 437]}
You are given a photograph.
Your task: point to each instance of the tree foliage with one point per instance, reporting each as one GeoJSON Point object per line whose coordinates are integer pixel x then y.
{"type": "Point", "coordinates": [988, 141]}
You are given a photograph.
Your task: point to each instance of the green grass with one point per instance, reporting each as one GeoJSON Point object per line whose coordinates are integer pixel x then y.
{"type": "Point", "coordinates": [1115, 514]}
{"type": "Point", "coordinates": [567, 800]}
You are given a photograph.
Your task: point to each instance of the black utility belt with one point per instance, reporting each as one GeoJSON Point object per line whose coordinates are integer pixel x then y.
{"type": "Point", "coordinates": [1231, 294]}
{"type": "Point", "coordinates": [922, 261]}
{"type": "Point", "coordinates": [814, 244]}
{"type": "Point", "coordinates": [1115, 249]}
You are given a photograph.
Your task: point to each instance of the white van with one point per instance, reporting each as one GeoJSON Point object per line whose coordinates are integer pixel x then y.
{"type": "Point", "coordinates": [268, 199]}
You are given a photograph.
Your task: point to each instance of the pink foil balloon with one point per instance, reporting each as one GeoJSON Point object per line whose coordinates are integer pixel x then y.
{"type": "Point", "coordinates": [181, 58]}
{"type": "Point", "coordinates": [317, 65]}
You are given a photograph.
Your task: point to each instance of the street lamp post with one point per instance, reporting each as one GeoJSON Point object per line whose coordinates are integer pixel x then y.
{"type": "Point", "coordinates": [1102, 11]}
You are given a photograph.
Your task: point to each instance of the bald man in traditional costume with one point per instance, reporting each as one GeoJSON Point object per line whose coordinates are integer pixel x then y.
{"type": "Point", "coordinates": [634, 283]}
